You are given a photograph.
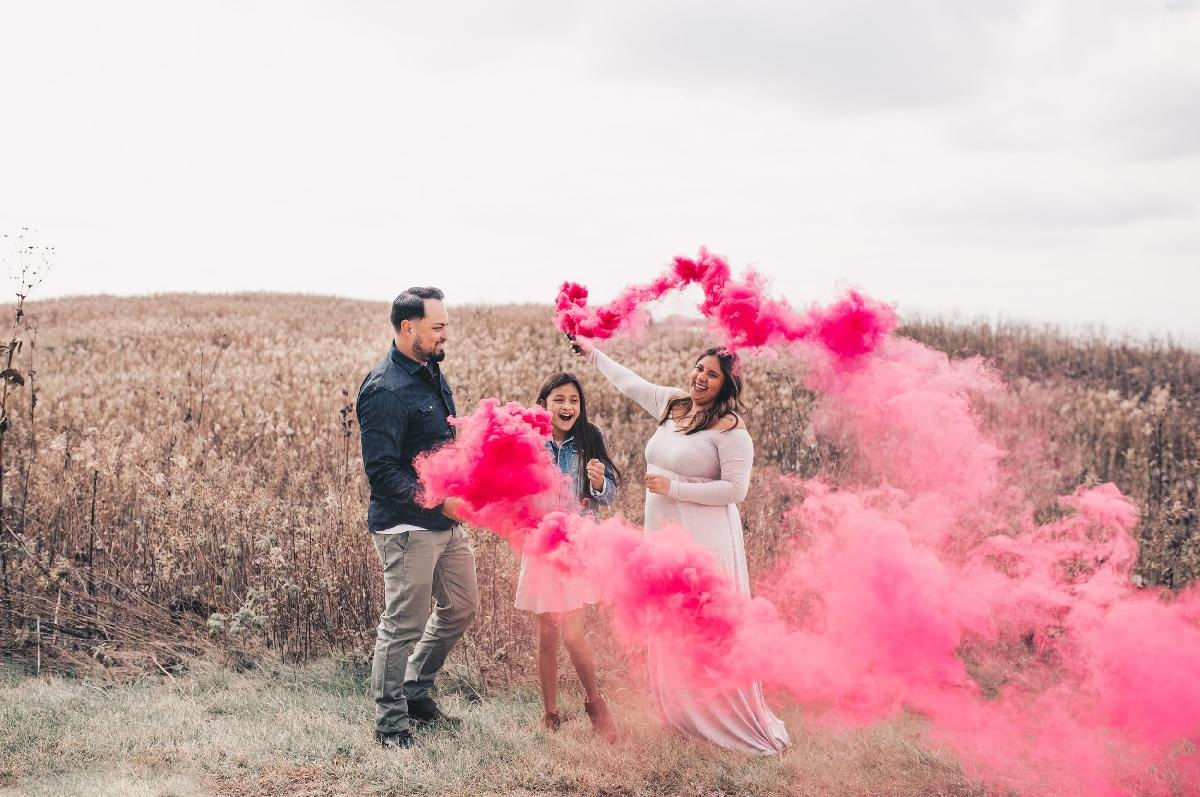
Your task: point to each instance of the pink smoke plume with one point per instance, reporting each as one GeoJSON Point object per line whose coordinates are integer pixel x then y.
{"type": "Point", "coordinates": [1026, 651]}
{"type": "Point", "coordinates": [499, 469]}
{"type": "Point", "coordinates": [917, 579]}
{"type": "Point", "coordinates": [740, 310]}
{"type": "Point", "coordinates": [924, 582]}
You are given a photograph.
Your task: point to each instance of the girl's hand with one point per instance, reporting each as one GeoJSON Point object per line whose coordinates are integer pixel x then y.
{"type": "Point", "coordinates": [595, 472]}
{"type": "Point", "coordinates": [659, 485]}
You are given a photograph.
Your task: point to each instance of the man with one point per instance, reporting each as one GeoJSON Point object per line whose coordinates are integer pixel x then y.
{"type": "Point", "coordinates": [404, 406]}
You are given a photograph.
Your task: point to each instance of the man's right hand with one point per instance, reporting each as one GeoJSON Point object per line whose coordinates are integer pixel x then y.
{"type": "Point", "coordinates": [450, 509]}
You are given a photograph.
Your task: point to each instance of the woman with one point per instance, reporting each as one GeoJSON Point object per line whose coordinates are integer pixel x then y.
{"type": "Point", "coordinates": [697, 469]}
{"type": "Point", "coordinates": [577, 447]}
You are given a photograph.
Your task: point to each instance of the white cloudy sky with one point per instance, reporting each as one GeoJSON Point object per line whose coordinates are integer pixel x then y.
{"type": "Point", "coordinates": [1028, 159]}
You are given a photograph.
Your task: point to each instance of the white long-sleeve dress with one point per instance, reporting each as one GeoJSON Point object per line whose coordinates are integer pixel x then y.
{"type": "Point", "coordinates": [709, 473]}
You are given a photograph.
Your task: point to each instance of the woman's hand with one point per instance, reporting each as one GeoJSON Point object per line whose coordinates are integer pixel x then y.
{"type": "Point", "coordinates": [595, 472]}
{"type": "Point", "coordinates": [582, 347]}
{"type": "Point", "coordinates": [659, 485]}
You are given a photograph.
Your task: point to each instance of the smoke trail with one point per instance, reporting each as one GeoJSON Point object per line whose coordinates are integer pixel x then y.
{"type": "Point", "coordinates": [919, 582]}
{"type": "Point", "coordinates": [741, 312]}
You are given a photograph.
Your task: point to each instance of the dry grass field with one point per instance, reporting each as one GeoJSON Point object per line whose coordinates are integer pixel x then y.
{"type": "Point", "coordinates": [181, 479]}
{"type": "Point", "coordinates": [191, 462]}
{"type": "Point", "coordinates": [300, 732]}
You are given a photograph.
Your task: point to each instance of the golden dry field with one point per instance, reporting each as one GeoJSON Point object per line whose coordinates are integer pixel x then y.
{"type": "Point", "coordinates": [181, 473]}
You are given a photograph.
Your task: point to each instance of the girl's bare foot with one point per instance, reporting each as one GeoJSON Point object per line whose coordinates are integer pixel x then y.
{"type": "Point", "coordinates": [597, 711]}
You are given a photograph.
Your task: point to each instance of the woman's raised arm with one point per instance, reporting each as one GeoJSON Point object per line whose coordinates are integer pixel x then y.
{"type": "Point", "coordinates": [650, 397]}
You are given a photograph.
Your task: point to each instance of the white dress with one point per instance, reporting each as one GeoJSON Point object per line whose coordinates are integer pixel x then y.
{"type": "Point", "coordinates": [541, 587]}
{"type": "Point", "coordinates": [709, 472]}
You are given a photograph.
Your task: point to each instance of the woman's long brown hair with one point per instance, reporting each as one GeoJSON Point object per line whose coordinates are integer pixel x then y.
{"type": "Point", "coordinates": [728, 401]}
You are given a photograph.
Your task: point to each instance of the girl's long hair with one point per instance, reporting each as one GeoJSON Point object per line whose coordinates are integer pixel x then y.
{"type": "Point", "coordinates": [728, 401]}
{"type": "Point", "coordinates": [589, 441]}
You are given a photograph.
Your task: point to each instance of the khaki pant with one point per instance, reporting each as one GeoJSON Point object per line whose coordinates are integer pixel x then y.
{"type": "Point", "coordinates": [412, 642]}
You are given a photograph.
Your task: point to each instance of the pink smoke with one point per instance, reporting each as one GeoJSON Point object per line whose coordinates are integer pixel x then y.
{"type": "Point", "coordinates": [925, 576]}
{"type": "Point", "coordinates": [917, 581]}
{"type": "Point", "coordinates": [740, 311]}
{"type": "Point", "coordinates": [497, 467]}
{"type": "Point", "coordinates": [1021, 649]}
{"type": "Point", "coordinates": [1026, 652]}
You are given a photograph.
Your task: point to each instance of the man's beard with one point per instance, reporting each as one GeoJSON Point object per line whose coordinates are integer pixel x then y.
{"type": "Point", "coordinates": [427, 355]}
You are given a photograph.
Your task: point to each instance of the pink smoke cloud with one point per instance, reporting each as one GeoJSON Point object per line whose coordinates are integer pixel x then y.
{"type": "Point", "coordinates": [1021, 650]}
{"type": "Point", "coordinates": [497, 467]}
{"type": "Point", "coordinates": [740, 311]}
{"type": "Point", "coordinates": [918, 581]}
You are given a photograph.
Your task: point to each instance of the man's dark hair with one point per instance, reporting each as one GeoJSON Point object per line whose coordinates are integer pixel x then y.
{"type": "Point", "coordinates": [411, 304]}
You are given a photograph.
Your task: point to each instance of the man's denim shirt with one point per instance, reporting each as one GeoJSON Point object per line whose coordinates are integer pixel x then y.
{"type": "Point", "coordinates": [565, 456]}
{"type": "Point", "coordinates": [403, 410]}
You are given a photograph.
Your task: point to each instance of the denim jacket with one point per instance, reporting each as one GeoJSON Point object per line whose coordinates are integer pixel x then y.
{"type": "Point", "coordinates": [565, 456]}
{"type": "Point", "coordinates": [403, 410]}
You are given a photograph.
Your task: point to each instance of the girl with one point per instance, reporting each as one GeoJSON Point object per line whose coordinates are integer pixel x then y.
{"type": "Point", "coordinates": [577, 447]}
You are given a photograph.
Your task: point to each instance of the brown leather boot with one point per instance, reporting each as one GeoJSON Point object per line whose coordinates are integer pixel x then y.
{"type": "Point", "coordinates": [551, 720]}
{"type": "Point", "coordinates": [602, 722]}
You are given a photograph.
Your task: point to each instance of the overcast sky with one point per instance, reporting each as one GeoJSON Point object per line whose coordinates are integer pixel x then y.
{"type": "Point", "coordinates": [1031, 160]}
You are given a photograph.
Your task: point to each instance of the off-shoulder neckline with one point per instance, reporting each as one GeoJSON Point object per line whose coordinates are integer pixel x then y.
{"type": "Point", "coordinates": [741, 427]}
